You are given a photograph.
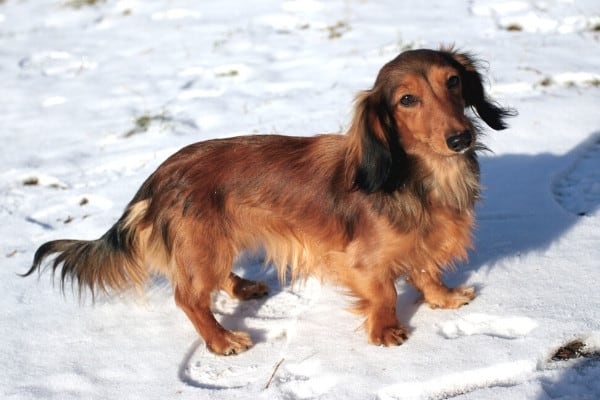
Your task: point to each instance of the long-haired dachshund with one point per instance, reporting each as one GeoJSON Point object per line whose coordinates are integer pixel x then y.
{"type": "Point", "coordinates": [393, 197]}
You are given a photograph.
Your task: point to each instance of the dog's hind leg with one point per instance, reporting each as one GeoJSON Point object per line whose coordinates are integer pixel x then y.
{"type": "Point", "coordinates": [244, 289]}
{"type": "Point", "coordinates": [201, 271]}
{"type": "Point", "coordinates": [218, 339]}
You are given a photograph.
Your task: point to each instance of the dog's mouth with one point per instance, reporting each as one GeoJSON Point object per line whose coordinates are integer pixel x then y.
{"type": "Point", "coordinates": [446, 152]}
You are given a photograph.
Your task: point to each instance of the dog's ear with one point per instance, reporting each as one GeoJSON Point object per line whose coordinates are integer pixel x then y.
{"type": "Point", "coordinates": [374, 149]}
{"type": "Point", "coordinates": [474, 93]}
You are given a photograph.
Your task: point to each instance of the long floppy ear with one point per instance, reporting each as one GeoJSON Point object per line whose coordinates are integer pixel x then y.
{"type": "Point", "coordinates": [374, 151]}
{"type": "Point", "coordinates": [474, 94]}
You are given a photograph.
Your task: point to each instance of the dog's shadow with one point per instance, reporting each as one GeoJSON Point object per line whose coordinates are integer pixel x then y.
{"type": "Point", "coordinates": [530, 201]}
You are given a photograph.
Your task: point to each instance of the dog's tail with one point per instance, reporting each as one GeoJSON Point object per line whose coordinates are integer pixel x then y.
{"type": "Point", "coordinates": [114, 261]}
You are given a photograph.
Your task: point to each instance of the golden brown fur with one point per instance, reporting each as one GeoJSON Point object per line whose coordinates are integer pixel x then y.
{"type": "Point", "coordinates": [393, 197]}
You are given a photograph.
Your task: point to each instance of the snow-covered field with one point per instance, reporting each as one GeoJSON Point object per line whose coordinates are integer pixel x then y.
{"type": "Point", "coordinates": [94, 97]}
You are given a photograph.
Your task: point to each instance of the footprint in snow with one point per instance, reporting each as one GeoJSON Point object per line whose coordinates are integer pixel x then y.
{"type": "Point", "coordinates": [510, 327]}
{"type": "Point", "coordinates": [305, 379]}
{"type": "Point", "coordinates": [530, 17]}
{"type": "Point", "coordinates": [56, 63]}
{"type": "Point", "coordinates": [272, 325]}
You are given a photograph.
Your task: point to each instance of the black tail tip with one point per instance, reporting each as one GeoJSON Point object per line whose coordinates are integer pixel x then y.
{"type": "Point", "coordinates": [29, 271]}
{"type": "Point", "coordinates": [44, 251]}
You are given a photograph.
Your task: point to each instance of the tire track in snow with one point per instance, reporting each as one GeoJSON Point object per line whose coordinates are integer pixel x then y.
{"type": "Point", "coordinates": [578, 189]}
{"type": "Point", "coordinates": [510, 373]}
{"type": "Point", "coordinates": [447, 386]}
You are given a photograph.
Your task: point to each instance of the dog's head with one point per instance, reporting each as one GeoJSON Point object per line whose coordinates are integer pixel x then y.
{"type": "Point", "coordinates": [417, 107]}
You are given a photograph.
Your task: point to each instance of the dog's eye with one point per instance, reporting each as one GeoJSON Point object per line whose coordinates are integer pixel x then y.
{"type": "Point", "coordinates": [453, 82]}
{"type": "Point", "coordinates": [408, 100]}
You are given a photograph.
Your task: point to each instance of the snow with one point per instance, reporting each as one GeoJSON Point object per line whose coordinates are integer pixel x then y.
{"type": "Point", "coordinates": [94, 97]}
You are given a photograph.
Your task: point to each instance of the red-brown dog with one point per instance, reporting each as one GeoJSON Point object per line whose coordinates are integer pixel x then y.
{"type": "Point", "coordinates": [393, 197]}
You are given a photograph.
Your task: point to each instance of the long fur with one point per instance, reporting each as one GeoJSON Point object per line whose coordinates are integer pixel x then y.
{"type": "Point", "coordinates": [386, 200]}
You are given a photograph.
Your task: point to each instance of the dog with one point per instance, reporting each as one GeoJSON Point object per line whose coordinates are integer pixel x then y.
{"type": "Point", "coordinates": [393, 197]}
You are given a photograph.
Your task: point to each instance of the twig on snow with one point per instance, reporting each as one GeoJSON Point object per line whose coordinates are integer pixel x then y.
{"type": "Point", "coordinates": [274, 372]}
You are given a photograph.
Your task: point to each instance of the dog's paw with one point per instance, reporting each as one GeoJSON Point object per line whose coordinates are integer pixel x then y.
{"type": "Point", "coordinates": [453, 298]}
{"type": "Point", "coordinates": [230, 343]}
{"type": "Point", "coordinates": [390, 336]}
{"type": "Point", "coordinates": [247, 290]}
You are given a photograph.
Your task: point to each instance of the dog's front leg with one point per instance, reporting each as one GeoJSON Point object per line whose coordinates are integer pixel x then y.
{"type": "Point", "coordinates": [377, 301]}
{"type": "Point", "coordinates": [437, 295]}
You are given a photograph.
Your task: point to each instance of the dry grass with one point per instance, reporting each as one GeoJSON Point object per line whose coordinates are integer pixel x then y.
{"type": "Point", "coordinates": [83, 3]}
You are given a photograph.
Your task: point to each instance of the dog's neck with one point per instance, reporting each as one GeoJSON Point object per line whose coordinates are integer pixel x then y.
{"type": "Point", "coordinates": [448, 182]}
{"type": "Point", "coordinates": [451, 184]}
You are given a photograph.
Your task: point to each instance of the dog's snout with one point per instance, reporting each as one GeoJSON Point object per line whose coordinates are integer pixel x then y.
{"type": "Point", "coordinates": [460, 141]}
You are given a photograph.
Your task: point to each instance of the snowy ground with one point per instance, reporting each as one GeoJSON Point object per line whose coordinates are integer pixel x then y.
{"type": "Point", "coordinates": [94, 97]}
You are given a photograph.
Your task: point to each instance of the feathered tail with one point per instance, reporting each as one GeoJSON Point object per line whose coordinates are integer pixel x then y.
{"type": "Point", "coordinates": [114, 261]}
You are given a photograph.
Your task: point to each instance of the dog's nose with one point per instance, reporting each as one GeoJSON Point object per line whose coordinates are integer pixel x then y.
{"type": "Point", "coordinates": [459, 141]}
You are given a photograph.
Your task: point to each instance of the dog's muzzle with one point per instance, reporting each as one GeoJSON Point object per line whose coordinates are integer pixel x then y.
{"type": "Point", "coordinates": [460, 141]}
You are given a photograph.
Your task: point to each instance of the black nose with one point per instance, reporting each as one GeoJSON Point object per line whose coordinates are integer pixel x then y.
{"type": "Point", "coordinates": [460, 141]}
